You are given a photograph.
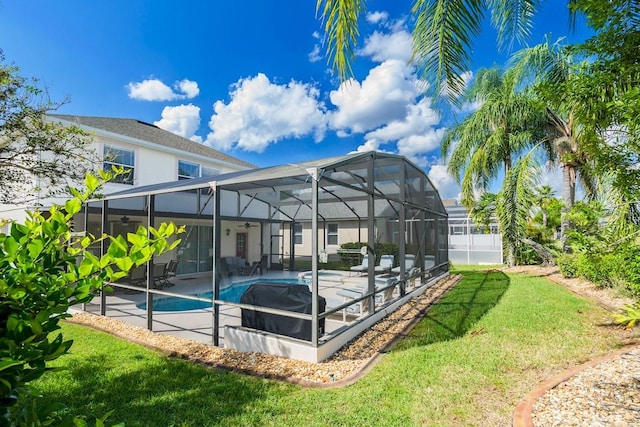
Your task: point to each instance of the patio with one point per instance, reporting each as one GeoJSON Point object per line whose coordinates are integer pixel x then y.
{"type": "Point", "coordinates": [290, 218]}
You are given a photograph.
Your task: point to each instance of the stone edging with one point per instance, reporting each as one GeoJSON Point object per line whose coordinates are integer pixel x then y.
{"type": "Point", "coordinates": [369, 364]}
{"type": "Point", "coordinates": [522, 414]}
{"type": "Point", "coordinates": [364, 368]}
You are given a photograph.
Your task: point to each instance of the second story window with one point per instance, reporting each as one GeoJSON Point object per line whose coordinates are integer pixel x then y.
{"type": "Point", "coordinates": [119, 157]}
{"type": "Point", "coordinates": [189, 170]}
{"type": "Point", "coordinates": [206, 171]}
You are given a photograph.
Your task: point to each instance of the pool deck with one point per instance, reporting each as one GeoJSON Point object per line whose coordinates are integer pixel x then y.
{"type": "Point", "coordinates": [336, 287]}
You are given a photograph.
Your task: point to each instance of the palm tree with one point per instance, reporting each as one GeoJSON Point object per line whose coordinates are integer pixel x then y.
{"type": "Point", "coordinates": [442, 36]}
{"type": "Point", "coordinates": [488, 142]}
{"type": "Point", "coordinates": [543, 198]}
{"type": "Point", "coordinates": [549, 68]}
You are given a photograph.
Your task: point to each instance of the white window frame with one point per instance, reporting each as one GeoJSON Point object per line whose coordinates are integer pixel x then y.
{"type": "Point", "coordinates": [331, 234]}
{"type": "Point", "coordinates": [186, 162]}
{"type": "Point", "coordinates": [201, 170]}
{"type": "Point", "coordinates": [298, 234]}
{"type": "Point", "coordinates": [127, 178]}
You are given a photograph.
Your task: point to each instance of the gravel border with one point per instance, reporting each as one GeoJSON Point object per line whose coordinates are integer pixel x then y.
{"type": "Point", "coordinates": [599, 393]}
{"type": "Point", "coordinates": [343, 368]}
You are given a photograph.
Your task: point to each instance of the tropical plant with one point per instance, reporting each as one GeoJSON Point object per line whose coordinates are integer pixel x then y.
{"type": "Point", "coordinates": [550, 69]}
{"type": "Point", "coordinates": [606, 95]}
{"type": "Point", "coordinates": [442, 36]}
{"type": "Point", "coordinates": [45, 268]}
{"type": "Point", "coordinates": [488, 142]}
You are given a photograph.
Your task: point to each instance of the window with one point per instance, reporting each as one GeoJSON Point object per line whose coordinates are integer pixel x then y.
{"type": "Point", "coordinates": [332, 234]}
{"type": "Point", "coordinates": [188, 170]}
{"type": "Point", "coordinates": [297, 233]}
{"type": "Point", "coordinates": [119, 157]}
{"type": "Point", "coordinates": [207, 171]}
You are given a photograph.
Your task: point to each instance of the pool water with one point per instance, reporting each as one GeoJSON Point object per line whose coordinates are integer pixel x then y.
{"type": "Point", "coordinates": [231, 294]}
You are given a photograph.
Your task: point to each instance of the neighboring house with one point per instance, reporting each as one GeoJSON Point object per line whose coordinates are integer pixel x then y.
{"type": "Point", "coordinates": [152, 155]}
{"type": "Point", "coordinates": [468, 243]}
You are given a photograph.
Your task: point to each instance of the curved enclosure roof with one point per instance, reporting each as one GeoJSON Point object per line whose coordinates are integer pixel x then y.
{"type": "Point", "coordinates": [346, 186]}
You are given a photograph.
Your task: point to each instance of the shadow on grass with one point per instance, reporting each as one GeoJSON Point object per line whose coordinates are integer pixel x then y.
{"type": "Point", "coordinates": [160, 392]}
{"type": "Point", "coordinates": [461, 308]}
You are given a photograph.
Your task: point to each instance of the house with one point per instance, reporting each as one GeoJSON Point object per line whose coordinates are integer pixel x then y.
{"type": "Point", "coordinates": [390, 198]}
{"type": "Point", "coordinates": [152, 155]}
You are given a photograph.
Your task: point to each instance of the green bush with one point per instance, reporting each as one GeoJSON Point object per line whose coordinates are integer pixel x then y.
{"type": "Point", "coordinates": [44, 269]}
{"type": "Point", "coordinates": [525, 255]}
{"type": "Point", "coordinates": [567, 265]}
{"type": "Point", "coordinates": [349, 252]}
{"type": "Point", "coordinates": [632, 269]}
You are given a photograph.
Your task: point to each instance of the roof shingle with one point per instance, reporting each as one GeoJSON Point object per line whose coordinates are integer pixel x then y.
{"type": "Point", "coordinates": [150, 133]}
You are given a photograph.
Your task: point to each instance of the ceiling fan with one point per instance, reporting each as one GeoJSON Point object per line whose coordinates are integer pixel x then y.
{"type": "Point", "coordinates": [247, 225]}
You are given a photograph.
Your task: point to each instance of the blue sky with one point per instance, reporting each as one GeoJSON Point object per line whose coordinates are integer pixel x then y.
{"type": "Point", "coordinates": [248, 78]}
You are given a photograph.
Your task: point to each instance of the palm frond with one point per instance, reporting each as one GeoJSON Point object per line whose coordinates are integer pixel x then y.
{"type": "Point", "coordinates": [517, 196]}
{"type": "Point", "coordinates": [550, 62]}
{"type": "Point", "coordinates": [442, 40]}
{"type": "Point", "coordinates": [340, 18]}
{"type": "Point", "coordinates": [513, 20]}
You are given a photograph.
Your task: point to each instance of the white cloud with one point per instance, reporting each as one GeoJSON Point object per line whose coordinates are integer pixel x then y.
{"type": "Point", "coordinates": [156, 90]}
{"type": "Point", "coordinates": [189, 88]}
{"type": "Point", "coordinates": [261, 112]}
{"type": "Point", "coordinates": [384, 46]}
{"type": "Point", "coordinates": [414, 135]}
{"type": "Point", "coordinates": [446, 185]}
{"type": "Point", "coordinates": [183, 120]}
{"type": "Point", "coordinates": [377, 17]}
{"type": "Point", "coordinates": [383, 96]}
{"type": "Point", "coordinates": [315, 55]}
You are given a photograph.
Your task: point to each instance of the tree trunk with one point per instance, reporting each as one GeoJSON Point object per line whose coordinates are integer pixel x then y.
{"type": "Point", "coordinates": [547, 257]}
{"type": "Point", "coordinates": [568, 199]}
{"type": "Point", "coordinates": [511, 254]}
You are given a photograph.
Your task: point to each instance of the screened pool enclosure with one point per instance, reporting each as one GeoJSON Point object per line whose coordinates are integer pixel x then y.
{"type": "Point", "coordinates": [294, 260]}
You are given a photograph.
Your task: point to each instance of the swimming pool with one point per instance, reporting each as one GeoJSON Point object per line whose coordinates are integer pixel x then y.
{"type": "Point", "coordinates": [230, 294]}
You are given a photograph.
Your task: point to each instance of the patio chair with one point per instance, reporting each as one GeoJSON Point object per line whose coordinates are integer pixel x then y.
{"type": "Point", "coordinates": [170, 271]}
{"type": "Point", "coordinates": [137, 276]}
{"type": "Point", "coordinates": [159, 278]}
{"type": "Point", "coordinates": [364, 266]}
{"type": "Point", "coordinates": [386, 263]}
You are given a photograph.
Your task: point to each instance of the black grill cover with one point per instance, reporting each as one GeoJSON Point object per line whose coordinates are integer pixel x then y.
{"type": "Point", "coordinates": [285, 297]}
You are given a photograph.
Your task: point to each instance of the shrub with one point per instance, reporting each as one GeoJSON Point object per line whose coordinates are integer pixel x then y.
{"type": "Point", "coordinates": [567, 265]}
{"type": "Point", "coordinates": [349, 252]}
{"type": "Point", "coordinates": [44, 269]}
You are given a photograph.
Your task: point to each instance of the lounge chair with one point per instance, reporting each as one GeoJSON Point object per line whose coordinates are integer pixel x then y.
{"type": "Point", "coordinates": [429, 262]}
{"type": "Point", "coordinates": [363, 267]}
{"type": "Point", "coordinates": [361, 288]}
{"type": "Point", "coordinates": [386, 263]}
{"type": "Point", "coordinates": [409, 263]}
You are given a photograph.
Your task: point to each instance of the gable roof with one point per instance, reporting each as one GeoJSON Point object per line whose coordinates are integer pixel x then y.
{"type": "Point", "coordinates": [150, 133]}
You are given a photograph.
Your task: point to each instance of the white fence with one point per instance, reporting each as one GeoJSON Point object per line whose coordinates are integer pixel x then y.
{"type": "Point", "coordinates": [468, 245]}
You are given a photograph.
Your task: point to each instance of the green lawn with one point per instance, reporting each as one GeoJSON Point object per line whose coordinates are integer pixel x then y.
{"type": "Point", "coordinates": [487, 343]}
